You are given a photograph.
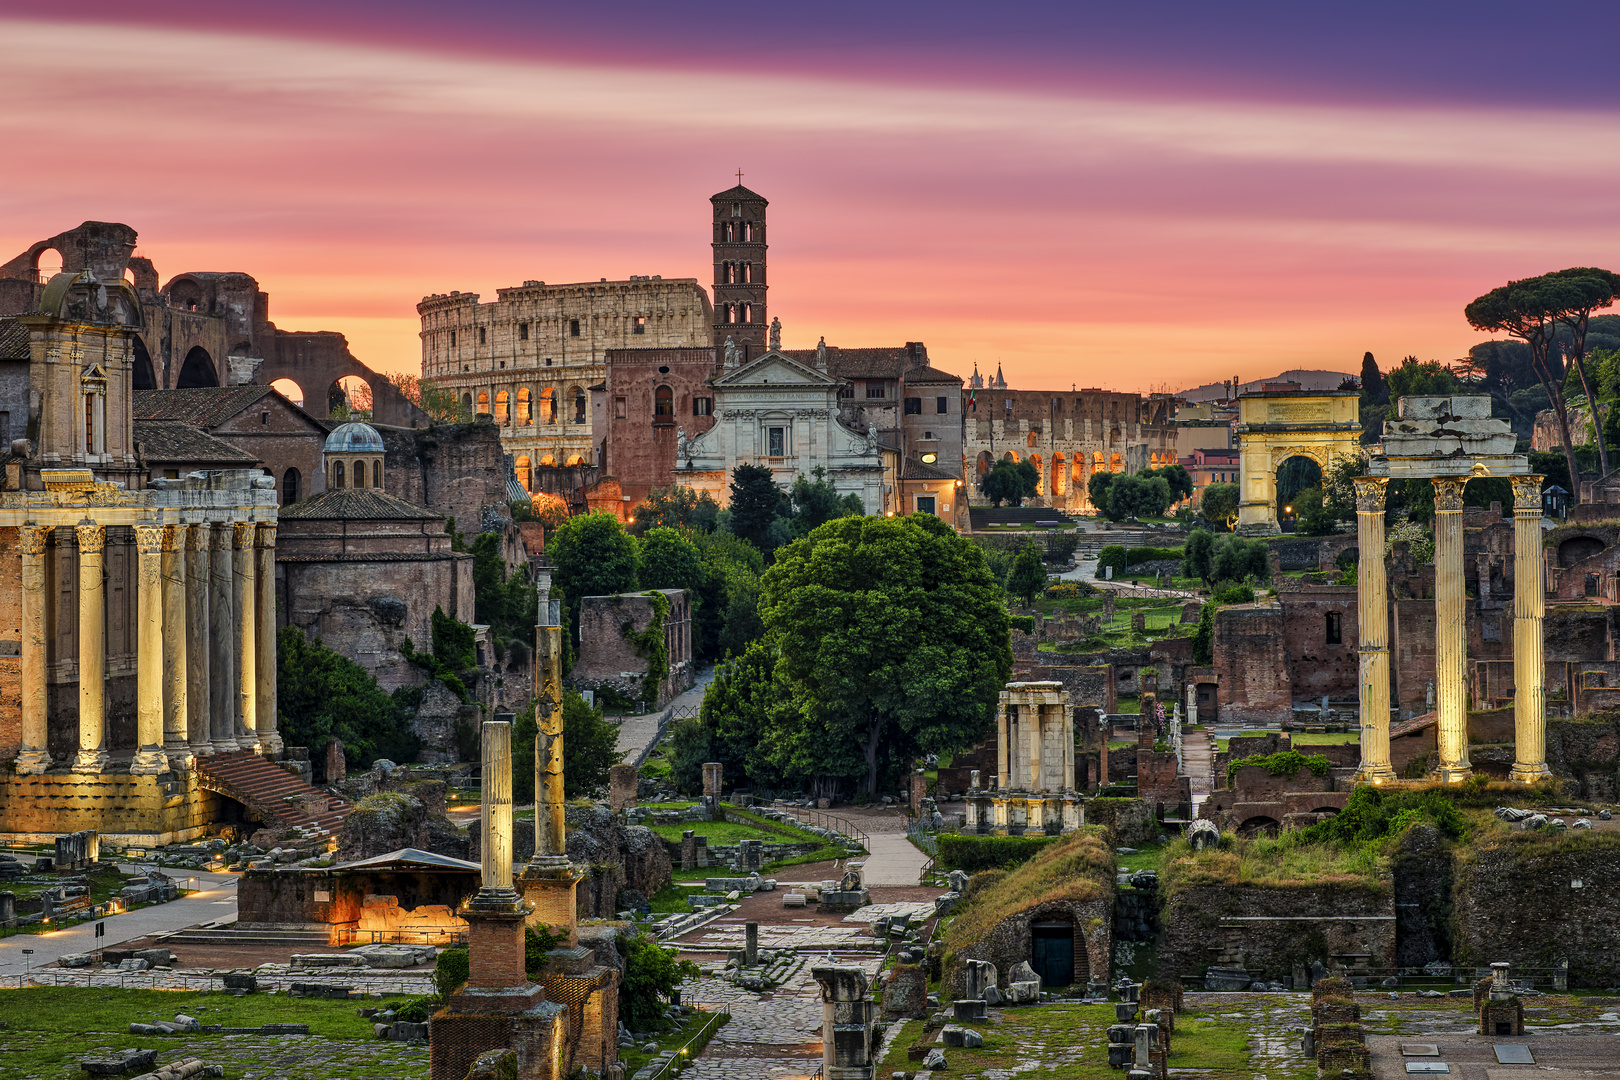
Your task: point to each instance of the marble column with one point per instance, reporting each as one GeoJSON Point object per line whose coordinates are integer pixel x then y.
{"type": "Point", "coordinates": [1066, 724]}
{"type": "Point", "coordinates": [550, 827]}
{"type": "Point", "coordinates": [264, 644]}
{"type": "Point", "coordinates": [35, 756]}
{"type": "Point", "coordinates": [1003, 748]}
{"type": "Point", "coordinates": [176, 687]}
{"type": "Point", "coordinates": [1372, 620]}
{"type": "Point", "coordinates": [92, 756]}
{"type": "Point", "coordinates": [149, 758]}
{"type": "Point", "coordinates": [246, 630]}
{"type": "Point", "coordinates": [1034, 711]}
{"type": "Point", "coordinates": [198, 681]}
{"type": "Point", "coordinates": [222, 639]}
{"type": "Point", "coordinates": [495, 807]}
{"type": "Point", "coordinates": [1450, 631]}
{"type": "Point", "coordinates": [1529, 670]}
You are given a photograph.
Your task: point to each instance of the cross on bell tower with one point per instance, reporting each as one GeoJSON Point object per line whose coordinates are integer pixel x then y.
{"type": "Point", "coordinates": [739, 268]}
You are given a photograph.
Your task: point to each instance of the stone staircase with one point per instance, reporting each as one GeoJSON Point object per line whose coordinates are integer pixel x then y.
{"type": "Point", "coordinates": [237, 935]}
{"type": "Point", "coordinates": [277, 796]}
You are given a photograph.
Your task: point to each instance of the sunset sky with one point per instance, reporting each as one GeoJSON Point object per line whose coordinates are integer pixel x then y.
{"type": "Point", "coordinates": [1135, 196]}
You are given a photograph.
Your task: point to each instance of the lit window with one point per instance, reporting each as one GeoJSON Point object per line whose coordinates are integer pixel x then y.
{"type": "Point", "coordinates": [641, 324]}
{"type": "Point", "coordinates": [663, 405]}
{"type": "Point", "coordinates": [929, 459]}
{"type": "Point", "coordinates": [776, 442]}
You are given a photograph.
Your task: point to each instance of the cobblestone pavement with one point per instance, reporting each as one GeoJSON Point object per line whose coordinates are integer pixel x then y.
{"type": "Point", "coordinates": [414, 984]}
{"type": "Point", "coordinates": [775, 1035]}
{"type": "Point", "coordinates": [799, 932]}
{"type": "Point", "coordinates": [636, 733]}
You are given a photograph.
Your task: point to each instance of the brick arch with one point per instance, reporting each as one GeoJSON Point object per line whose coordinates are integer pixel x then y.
{"type": "Point", "coordinates": [321, 359]}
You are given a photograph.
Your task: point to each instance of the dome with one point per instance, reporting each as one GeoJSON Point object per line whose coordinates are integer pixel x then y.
{"type": "Point", "coordinates": [354, 438]}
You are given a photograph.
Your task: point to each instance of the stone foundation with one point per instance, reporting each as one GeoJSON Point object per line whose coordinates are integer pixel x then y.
{"type": "Point", "coordinates": [124, 809]}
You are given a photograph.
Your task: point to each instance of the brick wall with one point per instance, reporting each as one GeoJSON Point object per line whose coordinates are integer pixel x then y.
{"type": "Point", "coordinates": [1251, 663]}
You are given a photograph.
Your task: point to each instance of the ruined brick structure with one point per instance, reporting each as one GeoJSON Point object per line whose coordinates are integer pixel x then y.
{"type": "Point", "coordinates": [609, 660]}
{"type": "Point", "coordinates": [278, 435]}
{"type": "Point", "coordinates": [202, 329]}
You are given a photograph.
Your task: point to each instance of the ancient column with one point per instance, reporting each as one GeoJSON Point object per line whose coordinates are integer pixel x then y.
{"type": "Point", "coordinates": [848, 1017]}
{"type": "Point", "coordinates": [1003, 746]}
{"type": "Point", "coordinates": [265, 641]}
{"type": "Point", "coordinates": [1033, 710]}
{"type": "Point", "coordinates": [176, 679]}
{"type": "Point", "coordinates": [550, 882]}
{"type": "Point", "coordinates": [222, 639]}
{"type": "Point", "coordinates": [1372, 616]}
{"type": "Point", "coordinates": [92, 756]}
{"type": "Point", "coordinates": [35, 754]}
{"type": "Point", "coordinates": [199, 688]}
{"type": "Point", "coordinates": [1529, 671]}
{"type": "Point", "coordinates": [149, 758]}
{"type": "Point", "coordinates": [1066, 725]}
{"type": "Point", "coordinates": [495, 807]}
{"type": "Point", "coordinates": [1450, 631]}
{"type": "Point", "coordinates": [246, 631]}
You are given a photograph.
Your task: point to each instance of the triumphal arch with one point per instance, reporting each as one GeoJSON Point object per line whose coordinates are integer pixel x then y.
{"type": "Point", "coordinates": [1448, 441]}
{"type": "Point", "coordinates": [1275, 426]}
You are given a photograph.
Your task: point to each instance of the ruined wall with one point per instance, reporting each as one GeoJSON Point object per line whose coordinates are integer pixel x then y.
{"type": "Point", "coordinates": [608, 660]}
{"type": "Point", "coordinates": [1317, 666]}
{"type": "Point", "coordinates": [1251, 662]}
{"type": "Point", "coordinates": [1009, 941]}
{"type": "Point", "coordinates": [1509, 884]}
{"type": "Point", "coordinates": [640, 444]}
{"type": "Point", "coordinates": [1271, 930]}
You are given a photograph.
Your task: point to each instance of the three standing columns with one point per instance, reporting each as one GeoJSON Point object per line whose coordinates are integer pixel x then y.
{"type": "Point", "coordinates": [1529, 599]}
{"type": "Point", "coordinates": [1450, 632]}
{"type": "Point", "coordinates": [1373, 621]}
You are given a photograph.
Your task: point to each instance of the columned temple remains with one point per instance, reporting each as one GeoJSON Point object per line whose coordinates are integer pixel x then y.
{"type": "Point", "coordinates": [145, 612]}
{"type": "Point", "coordinates": [1448, 441]}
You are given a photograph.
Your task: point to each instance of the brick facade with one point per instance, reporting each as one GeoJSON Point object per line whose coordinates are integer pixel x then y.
{"type": "Point", "coordinates": [607, 660]}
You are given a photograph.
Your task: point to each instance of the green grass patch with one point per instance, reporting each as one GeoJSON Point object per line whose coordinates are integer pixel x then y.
{"type": "Point", "coordinates": [1324, 738]}
{"type": "Point", "coordinates": [1283, 862]}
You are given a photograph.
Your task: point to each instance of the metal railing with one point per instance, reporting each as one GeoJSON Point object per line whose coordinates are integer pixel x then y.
{"type": "Point", "coordinates": [717, 1014]}
{"type": "Point", "coordinates": [831, 823]}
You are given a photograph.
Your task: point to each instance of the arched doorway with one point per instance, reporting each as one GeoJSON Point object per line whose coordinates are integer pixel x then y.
{"type": "Point", "coordinates": [145, 377]}
{"type": "Point", "coordinates": [984, 462]}
{"type": "Point", "coordinates": [1294, 475]}
{"type": "Point", "coordinates": [1051, 951]}
{"type": "Point", "coordinates": [198, 370]}
{"type": "Point", "coordinates": [1259, 826]}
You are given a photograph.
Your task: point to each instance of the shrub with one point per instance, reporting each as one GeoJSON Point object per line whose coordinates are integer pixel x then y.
{"type": "Point", "coordinates": [976, 853]}
{"type": "Point", "coordinates": [651, 974]}
{"type": "Point", "coordinates": [1063, 590]}
{"type": "Point", "coordinates": [1231, 592]}
{"type": "Point", "coordinates": [1282, 763]}
{"type": "Point", "coordinates": [1112, 555]}
{"type": "Point", "coordinates": [451, 970]}
{"type": "Point", "coordinates": [1150, 554]}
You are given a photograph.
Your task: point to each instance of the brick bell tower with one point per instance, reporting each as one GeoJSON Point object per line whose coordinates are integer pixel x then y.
{"type": "Point", "coordinates": [739, 269]}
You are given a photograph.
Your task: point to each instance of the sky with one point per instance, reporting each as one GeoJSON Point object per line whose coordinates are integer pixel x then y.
{"type": "Point", "coordinates": [1133, 196]}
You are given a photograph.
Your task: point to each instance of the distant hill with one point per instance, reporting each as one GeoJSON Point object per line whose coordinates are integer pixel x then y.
{"type": "Point", "coordinates": [1312, 379]}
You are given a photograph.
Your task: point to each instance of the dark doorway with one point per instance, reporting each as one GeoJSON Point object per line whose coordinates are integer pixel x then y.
{"type": "Point", "coordinates": [198, 370]}
{"type": "Point", "coordinates": [1293, 476]}
{"type": "Point", "coordinates": [144, 377]}
{"type": "Point", "coordinates": [1051, 952]}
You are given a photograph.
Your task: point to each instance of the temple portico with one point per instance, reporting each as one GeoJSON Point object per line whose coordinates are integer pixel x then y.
{"type": "Point", "coordinates": [1448, 441]}
{"type": "Point", "coordinates": [1035, 788]}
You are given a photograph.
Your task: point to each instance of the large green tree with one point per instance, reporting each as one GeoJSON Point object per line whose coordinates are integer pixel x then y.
{"type": "Point", "coordinates": [322, 694]}
{"type": "Point", "coordinates": [1028, 575]}
{"type": "Point", "coordinates": [593, 556]}
{"type": "Point", "coordinates": [1219, 504]}
{"type": "Point", "coordinates": [670, 561]}
{"type": "Point", "coordinates": [1196, 553]}
{"type": "Point", "coordinates": [756, 503]}
{"type": "Point", "coordinates": [1009, 482]}
{"type": "Point", "coordinates": [816, 502]}
{"type": "Point", "coordinates": [677, 507]}
{"type": "Point", "coordinates": [892, 640]}
{"type": "Point", "coordinates": [1137, 496]}
{"type": "Point", "coordinates": [590, 749]}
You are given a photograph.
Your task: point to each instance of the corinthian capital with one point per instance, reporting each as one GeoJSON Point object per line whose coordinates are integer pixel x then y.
{"type": "Point", "coordinates": [31, 539]}
{"type": "Point", "coordinates": [92, 538]}
{"type": "Point", "coordinates": [148, 539]}
{"type": "Point", "coordinates": [1526, 492]}
{"type": "Point", "coordinates": [1370, 491]}
{"type": "Point", "coordinates": [1448, 493]}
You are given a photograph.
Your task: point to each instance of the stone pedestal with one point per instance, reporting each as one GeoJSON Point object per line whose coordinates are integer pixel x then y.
{"type": "Point", "coordinates": [551, 892]}
{"type": "Point", "coordinates": [1529, 601]}
{"type": "Point", "coordinates": [751, 944]}
{"type": "Point", "coordinates": [1372, 613]}
{"type": "Point", "coordinates": [621, 787]}
{"type": "Point", "coordinates": [1450, 632]}
{"type": "Point", "coordinates": [848, 1020]}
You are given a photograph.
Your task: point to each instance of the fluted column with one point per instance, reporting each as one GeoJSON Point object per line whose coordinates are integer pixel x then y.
{"type": "Point", "coordinates": [176, 687]}
{"type": "Point", "coordinates": [1529, 669]}
{"type": "Point", "coordinates": [265, 641]}
{"type": "Point", "coordinates": [1003, 747]}
{"type": "Point", "coordinates": [247, 629]}
{"type": "Point", "coordinates": [1450, 631]}
{"type": "Point", "coordinates": [149, 757]}
{"type": "Point", "coordinates": [92, 756]}
{"type": "Point", "coordinates": [1066, 723]}
{"type": "Point", "coordinates": [1372, 620]}
{"type": "Point", "coordinates": [198, 683]}
{"type": "Point", "coordinates": [35, 754]}
{"type": "Point", "coordinates": [550, 822]}
{"type": "Point", "coordinates": [222, 639]}
{"type": "Point", "coordinates": [496, 806]}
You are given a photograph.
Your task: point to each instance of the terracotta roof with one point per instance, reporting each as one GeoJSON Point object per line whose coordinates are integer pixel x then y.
{"type": "Point", "coordinates": [13, 340]}
{"type": "Point", "coordinates": [913, 469]}
{"type": "Point", "coordinates": [882, 363]}
{"type": "Point", "coordinates": [205, 406]}
{"type": "Point", "coordinates": [170, 441]}
{"type": "Point", "coordinates": [738, 192]}
{"type": "Point", "coordinates": [349, 504]}
{"type": "Point", "coordinates": [930, 374]}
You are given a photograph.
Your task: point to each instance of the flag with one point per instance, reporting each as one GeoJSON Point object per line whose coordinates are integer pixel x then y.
{"type": "Point", "coordinates": [973, 402]}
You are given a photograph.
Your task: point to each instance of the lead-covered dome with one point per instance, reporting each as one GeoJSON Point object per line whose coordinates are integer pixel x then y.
{"type": "Point", "coordinates": [354, 438]}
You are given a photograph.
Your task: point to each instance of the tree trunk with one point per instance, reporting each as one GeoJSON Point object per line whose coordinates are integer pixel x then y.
{"type": "Point", "coordinates": [1597, 416]}
{"type": "Point", "coordinates": [869, 786]}
{"type": "Point", "coordinates": [1555, 395]}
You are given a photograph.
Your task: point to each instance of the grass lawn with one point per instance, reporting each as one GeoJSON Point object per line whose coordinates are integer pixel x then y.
{"type": "Point", "coordinates": [50, 1029]}
{"type": "Point", "coordinates": [1324, 738]}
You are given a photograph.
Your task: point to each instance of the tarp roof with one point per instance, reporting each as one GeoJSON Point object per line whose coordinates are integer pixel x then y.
{"type": "Point", "coordinates": [410, 858]}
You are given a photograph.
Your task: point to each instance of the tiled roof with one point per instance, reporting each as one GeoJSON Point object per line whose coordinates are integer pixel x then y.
{"type": "Point", "coordinates": [930, 374]}
{"type": "Point", "coordinates": [913, 469]}
{"type": "Point", "coordinates": [205, 406]}
{"type": "Point", "coordinates": [13, 340]}
{"type": "Point", "coordinates": [883, 363]}
{"type": "Point", "coordinates": [170, 441]}
{"type": "Point", "coordinates": [350, 504]}
{"type": "Point", "coordinates": [738, 192]}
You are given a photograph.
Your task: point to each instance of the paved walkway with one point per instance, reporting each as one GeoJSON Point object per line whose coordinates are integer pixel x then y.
{"type": "Point", "coordinates": [1198, 765]}
{"type": "Point", "coordinates": [214, 900]}
{"type": "Point", "coordinates": [638, 733]}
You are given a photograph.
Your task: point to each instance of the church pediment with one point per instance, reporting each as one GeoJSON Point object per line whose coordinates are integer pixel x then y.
{"type": "Point", "coordinates": [774, 369]}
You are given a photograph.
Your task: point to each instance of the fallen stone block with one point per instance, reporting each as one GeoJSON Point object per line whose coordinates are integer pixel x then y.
{"type": "Point", "coordinates": [1023, 993]}
{"type": "Point", "coordinates": [793, 900]}
{"type": "Point", "coordinates": [935, 1060]}
{"type": "Point", "coordinates": [248, 983]}
{"type": "Point", "coordinates": [75, 960]}
{"type": "Point", "coordinates": [120, 1064]}
{"type": "Point", "coordinates": [133, 964]}
{"type": "Point", "coordinates": [968, 1009]}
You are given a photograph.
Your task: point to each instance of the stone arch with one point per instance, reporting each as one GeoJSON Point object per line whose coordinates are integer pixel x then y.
{"type": "Point", "coordinates": [548, 461]}
{"type": "Point", "coordinates": [289, 390]}
{"type": "Point", "coordinates": [548, 406]}
{"type": "Point", "coordinates": [291, 486]}
{"type": "Point", "coordinates": [337, 475]}
{"type": "Point", "coordinates": [483, 403]}
{"type": "Point", "coordinates": [1060, 476]}
{"type": "Point", "coordinates": [376, 472]}
{"type": "Point", "coordinates": [197, 370]}
{"type": "Point", "coordinates": [144, 375]}
{"type": "Point", "coordinates": [577, 395]}
{"type": "Point", "coordinates": [503, 408]}
{"type": "Point", "coordinates": [1040, 474]}
{"type": "Point", "coordinates": [1274, 427]}
{"type": "Point", "coordinates": [521, 466]}
{"type": "Point", "coordinates": [48, 261]}
{"type": "Point", "coordinates": [467, 403]}
{"type": "Point", "coordinates": [1012, 456]}
{"type": "Point", "coordinates": [353, 392]}
{"type": "Point", "coordinates": [1260, 825]}
{"type": "Point", "coordinates": [983, 465]}
{"type": "Point", "coordinates": [522, 416]}
{"type": "Point", "coordinates": [576, 459]}
{"type": "Point", "coordinates": [1295, 473]}
{"type": "Point", "coordinates": [1577, 549]}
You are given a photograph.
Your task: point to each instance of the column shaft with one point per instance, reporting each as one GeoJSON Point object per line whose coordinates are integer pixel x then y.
{"type": "Point", "coordinates": [149, 757]}
{"type": "Point", "coordinates": [1066, 723]}
{"type": "Point", "coordinates": [199, 686]}
{"type": "Point", "coordinates": [1529, 669]}
{"type": "Point", "coordinates": [92, 756]}
{"type": "Point", "coordinates": [550, 823]}
{"type": "Point", "coordinates": [1372, 620]}
{"type": "Point", "coordinates": [246, 630]}
{"type": "Point", "coordinates": [222, 639]}
{"type": "Point", "coordinates": [35, 754]}
{"type": "Point", "coordinates": [264, 645]}
{"type": "Point", "coordinates": [496, 804]}
{"type": "Point", "coordinates": [1003, 748]}
{"type": "Point", "coordinates": [176, 685]}
{"type": "Point", "coordinates": [1034, 711]}
{"type": "Point", "coordinates": [1450, 631]}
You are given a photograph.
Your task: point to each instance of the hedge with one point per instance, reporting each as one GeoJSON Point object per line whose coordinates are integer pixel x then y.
{"type": "Point", "coordinates": [1151, 554]}
{"type": "Point", "coordinates": [975, 853]}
